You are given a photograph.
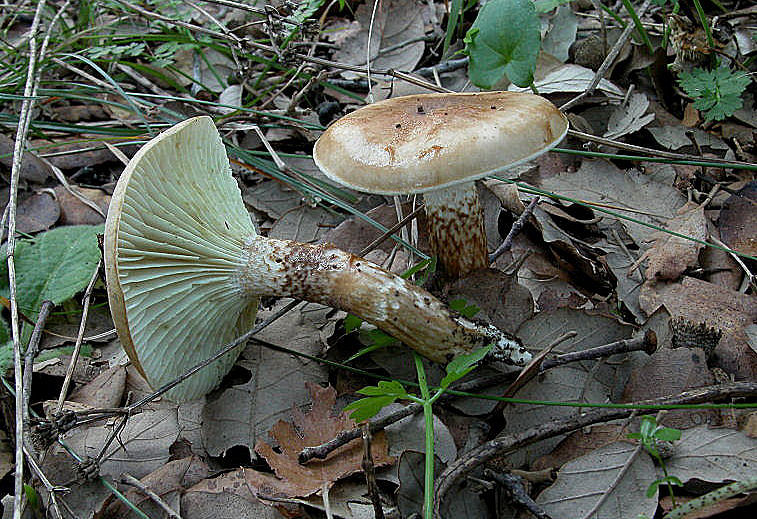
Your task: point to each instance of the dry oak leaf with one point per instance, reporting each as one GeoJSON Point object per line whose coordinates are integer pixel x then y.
{"type": "Point", "coordinates": [670, 255]}
{"type": "Point", "coordinates": [307, 429]}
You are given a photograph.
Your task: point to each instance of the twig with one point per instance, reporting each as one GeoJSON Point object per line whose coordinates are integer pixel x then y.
{"type": "Point", "coordinates": [323, 450]}
{"type": "Point", "coordinates": [505, 444]}
{"type": "Point", "coordinates": [52, 490]}
{"type": "Point", "coordinates": [343, 438]}
{"type": "Point", "coordinates": [514, 230]}
{"type": "Point", "coordinates": [32, 350]}
{"type": "Point", "coordinates": [79, 338]}
{"type": "Point", "coordinates": [18, 152]}
{"type": "Point", "coordinates": [128, 479]}
{"type": "Point", "coordinates": [370, 473]}
{"type": "Point", "coordinates": [647, 343]}
{"type": "Point", "coordinates": [513, 485]}
{"type": "Point", "coordinates": [609, 60]}
{"type": "Point", "coordinates": [651, 151]}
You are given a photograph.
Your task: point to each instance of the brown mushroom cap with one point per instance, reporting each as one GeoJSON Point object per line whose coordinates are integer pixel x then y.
{"type": "Point", "coordinates": [425, 142]}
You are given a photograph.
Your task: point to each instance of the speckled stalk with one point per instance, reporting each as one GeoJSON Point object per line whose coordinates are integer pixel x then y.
{"type": "Point", "coordinates": [330, 276]}
{"type": "Point", "coordinates": [456, 230]}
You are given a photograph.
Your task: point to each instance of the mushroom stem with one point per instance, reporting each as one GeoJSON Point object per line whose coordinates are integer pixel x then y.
{"type": "Point", "coordinates": [456, 230]}
{"type": "Point", "coordinates": [327, 275]}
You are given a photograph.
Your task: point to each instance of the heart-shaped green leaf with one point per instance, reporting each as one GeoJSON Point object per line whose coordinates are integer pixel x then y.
{"type": "Point", "coordinates": [504, 39]}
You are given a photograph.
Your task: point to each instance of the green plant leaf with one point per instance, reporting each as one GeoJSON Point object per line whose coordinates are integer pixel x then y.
{"type": "Point", "coordinates": [385, 388]}
{"type": "Point", "coordinates": [504, 40]}
{"type": "Point", "coordinates": [380, 396]}
{"type": "Point", "coordinates": [462, 307]}
{"type": "Point", "coordinates": [667, 434]}
{"type": "Point", "coordinates": [716, 93]}
{"type": "Point", "coordinates": [54, 266]}
{"type": "Point", "coordinates": [652, 488]}
{"type": "Point", "coordinates": [351, 323]}
{"type": "Point", "coordinates": [462, 365]}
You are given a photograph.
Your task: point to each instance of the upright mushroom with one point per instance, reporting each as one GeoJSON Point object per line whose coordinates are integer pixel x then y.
{"type": "Point", "coordinates": [438, 145]}
{"type": "Point", "coordinates": [185, 268]}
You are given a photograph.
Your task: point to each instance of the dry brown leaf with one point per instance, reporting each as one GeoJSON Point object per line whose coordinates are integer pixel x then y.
{"type": "Point", "coordinates": [37, 212]}
{"type": "Point", "coordinates": [579, 444]}
{"type": "Point", "coordinates": [698, 301]}
{"type": "Point", "coordinates": [32, 169]}
{"type": "Point", "coordinates": [670, 372]}
{"type": "Point", "coordinates": [168, 481]}
{"type": "Point", "coordinates": [670, 255]}
{"type": "Point", "coordinates": [75, 212]}
{"type": "Point", "coordinates": [292, 479]}
{"type": "Point", "coordinates": [394, 22]}
{"type": "Point", "coordinates": [738, 220]}
{"type": "Point", "coordinates": [106, 390]}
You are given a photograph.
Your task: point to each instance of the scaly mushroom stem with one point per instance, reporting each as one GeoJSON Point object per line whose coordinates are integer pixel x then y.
{"type": "Point", "coordinates": [456, 230]}
{"type": "Point", "coordinates": [327, 275]}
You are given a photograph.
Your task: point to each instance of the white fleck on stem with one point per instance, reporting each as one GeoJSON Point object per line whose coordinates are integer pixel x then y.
{"type": "Point", "coordinates": [327, 275]}
{"type": "Point", "coordinates": [456, 230]}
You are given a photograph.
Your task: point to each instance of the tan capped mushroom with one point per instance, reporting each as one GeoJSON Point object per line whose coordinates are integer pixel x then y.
{"type": "Point", "coordinates": [439, 145]}
{"type": "Point", "coordinates": [185, 268]}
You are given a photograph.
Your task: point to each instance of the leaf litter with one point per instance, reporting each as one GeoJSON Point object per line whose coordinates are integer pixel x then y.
{"type": "Point", "coordinates": [571, 269]}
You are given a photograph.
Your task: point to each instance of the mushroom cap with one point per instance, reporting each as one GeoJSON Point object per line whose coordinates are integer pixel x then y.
{"type": "Point", "coordinates": [173, 246]}
{"type": "Point", "coordinates": [425, 142]}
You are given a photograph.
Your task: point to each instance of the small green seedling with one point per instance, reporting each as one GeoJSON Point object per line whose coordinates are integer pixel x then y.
{"type": "Point", "coordinates": [387, 392]}
{"type": "Point", "coordinates": [650, 435]}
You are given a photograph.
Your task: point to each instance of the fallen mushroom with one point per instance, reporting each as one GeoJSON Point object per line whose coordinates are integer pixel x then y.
{"type": "Point", "coordinates": [185, 268]}
{"type": "Point", "coordinates": [439, 145]}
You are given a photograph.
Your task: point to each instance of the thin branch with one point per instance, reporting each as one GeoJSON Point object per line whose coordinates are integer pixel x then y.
{"type": "Point", "coordinates": [79, 338]}
{"type": "Point", "coordinates": [609, 60]}
{"type": "Point", "coordinates": [506, 444]}
{"type": "Point", "coordinates": [18, 153]}
{"type": "Point", "coordinates": [32, 350]}
{"type": "Point", "coordinates": [514, 230]}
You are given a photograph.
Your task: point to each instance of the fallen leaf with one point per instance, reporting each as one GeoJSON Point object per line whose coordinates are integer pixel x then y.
{"type": "Point", "coordinates": [670, 372]}
{"type": "Point", "coordinates": [587, 381]}
{"type": "Point", "coordinates": [580, 443]}
{"type": "Point", "coordinates": [738, 220]}
{"type": "Point", "coordinates": [33, 169]}
{"type": "Point", "coordinates": [713, 454]}
{"type": "Point", "coordinates": [37, 212]}
{"type": "Point", "coordinates": [583, 482]}
{"type": "Point", "coordinates": [629, 117]}
{"type": "Point", "coordinates": [312, 428]}
{"type": "Point", "coordinates": [561, 34]}
{"type": "Point", "coordinates": [698, 301]}
{"type": "Point", "coordinates": [169, 482]}
{"type": "Point", "coordinates": [504, 302]}
{"type": "Point", "coordinates": [650, 196]}
{"type": "Point", "coordinates": [244, 412]}
{"type": "Point", "coordinates": [569, 78]}
{"type": "Point", "coordinates": [670, 256]}
{"type": "Point", "coordinates": [395, 21]}
{"type": "Point", "coordinates": [106, 390]}
{"type": "Point", "coordinates": [304, 224]}
{"type": "Point", "coordinates": [75, 212]}
{"type": "Point", "coordinates": [354, 234]}
{"type": "Point", "coordinates": [675, 137]}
